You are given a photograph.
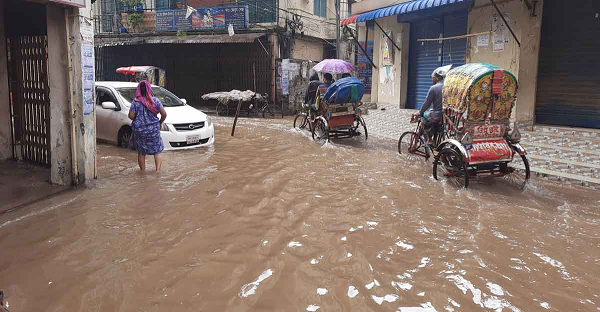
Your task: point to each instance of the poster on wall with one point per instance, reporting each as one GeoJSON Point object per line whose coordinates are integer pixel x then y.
{"type": "Point", "coordinates": [500, 32]}
{"type": "Point", "coordinates": [202, 19]}
{"type": "Point", "coordinates": [483, 40]}
{"type": "Point", "coordinates": [365, 70]}
{"type": "Point", "coordinates": [387, 49]}
{"type": "Point", "coordinates": [88, 77]}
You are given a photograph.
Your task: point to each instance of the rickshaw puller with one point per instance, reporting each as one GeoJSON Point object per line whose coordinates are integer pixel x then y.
{"type": "Point", "coordinates": [432, 120]}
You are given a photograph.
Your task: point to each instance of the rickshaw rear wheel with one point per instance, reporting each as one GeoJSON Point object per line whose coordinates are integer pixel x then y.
{"type": "Point", "coordinates": [364, 125]}
{"type": "Point", "coordinates": [448, 165]}
{"type": "Point", "coordinates": [300, 121]}
{"type": "Point", "coordinates": [320, 130]}
{"type": "Point", "coordinates": [410, 144]}
{"type": "Point", "coordinates": [521, 173]}
{"type": "Point", "coordinates": [222, 109]}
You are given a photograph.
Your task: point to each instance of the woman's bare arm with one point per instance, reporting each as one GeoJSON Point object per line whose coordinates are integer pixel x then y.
{"type": "Point", "coordinates": [163, 115]}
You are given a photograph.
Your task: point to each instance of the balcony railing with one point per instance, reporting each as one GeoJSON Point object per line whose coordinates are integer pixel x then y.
{"type": "Point", "coordinates": [259, 12]}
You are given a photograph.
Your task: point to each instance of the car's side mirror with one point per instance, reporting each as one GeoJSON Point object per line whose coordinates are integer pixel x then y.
{"type": "Point", "coordinates": [109, 105]}
{"type": "Point", "coordinates": [184, 101]}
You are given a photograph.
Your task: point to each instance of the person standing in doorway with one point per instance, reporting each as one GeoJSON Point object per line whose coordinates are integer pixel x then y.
{"type": "Point", "coordinates": [146, 125]}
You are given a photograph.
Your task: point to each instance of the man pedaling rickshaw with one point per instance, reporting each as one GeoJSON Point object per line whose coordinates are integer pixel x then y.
{"type": "Point", "coordinates": [433, 119]}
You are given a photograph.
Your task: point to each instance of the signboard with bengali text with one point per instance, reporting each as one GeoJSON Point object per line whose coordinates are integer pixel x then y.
{"type": "Point", "coordinates": [202, 19]}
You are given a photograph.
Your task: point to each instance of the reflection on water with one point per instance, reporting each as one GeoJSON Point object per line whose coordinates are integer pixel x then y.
{"type": "Point", "coordinates": [270, 221]}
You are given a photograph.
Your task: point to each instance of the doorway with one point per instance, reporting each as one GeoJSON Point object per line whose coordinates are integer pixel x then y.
{"type": "Point", "coordinates": [27, 45]}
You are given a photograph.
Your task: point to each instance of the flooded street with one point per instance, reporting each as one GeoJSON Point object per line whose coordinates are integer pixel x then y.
{"type": "Point", "coordinates": [271, 221]}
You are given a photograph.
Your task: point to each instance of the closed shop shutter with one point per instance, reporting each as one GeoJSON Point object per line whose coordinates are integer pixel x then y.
{"type": "Point", "coordinates": [425, 57]}
{"type": "Point", "coordinates": [568, 92]}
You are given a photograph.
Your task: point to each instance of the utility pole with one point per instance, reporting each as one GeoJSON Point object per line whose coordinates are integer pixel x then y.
{"type": "Point", "coordinates": [337, 28]}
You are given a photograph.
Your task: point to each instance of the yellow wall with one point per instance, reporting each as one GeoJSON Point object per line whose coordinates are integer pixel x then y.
{"type": "Point", "coordinates": [521, 61]}
{"type": "Point", "coordinates": [480, 21]}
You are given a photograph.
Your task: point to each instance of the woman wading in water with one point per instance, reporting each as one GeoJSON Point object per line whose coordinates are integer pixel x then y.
{"type": "Point", "coordinates": [146, 125]}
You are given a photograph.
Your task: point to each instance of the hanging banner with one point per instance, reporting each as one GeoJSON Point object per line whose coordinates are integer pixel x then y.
{"type": "Point", "coordinates": [202, 19]}
{"type": "Point", "coordinates": [365, 70]}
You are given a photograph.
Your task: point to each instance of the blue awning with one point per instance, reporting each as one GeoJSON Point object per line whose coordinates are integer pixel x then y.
{"type": "Point", "coordinates": [409, 7]}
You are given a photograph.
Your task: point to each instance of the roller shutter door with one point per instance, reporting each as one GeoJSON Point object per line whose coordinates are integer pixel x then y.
{"type": "Point", "coordinates": [568, 92]}
{"type": "Point", "coordinates": [425, 57]}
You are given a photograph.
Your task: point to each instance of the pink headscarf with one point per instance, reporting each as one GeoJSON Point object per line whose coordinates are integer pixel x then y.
{"type": "Point", "coordinates": [148, 101]}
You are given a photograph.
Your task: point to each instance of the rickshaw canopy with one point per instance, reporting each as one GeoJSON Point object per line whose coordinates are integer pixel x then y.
{"type": "Point", "coordinates": [132, 70]}
{"type": "Point", "coordinates": [345, 90]}
{"type": "Point", "coordinates": [152, 74]}
{"type": "Point", "coordinates": [471, 89]}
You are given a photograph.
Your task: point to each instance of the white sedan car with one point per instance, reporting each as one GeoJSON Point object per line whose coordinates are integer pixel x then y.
{"type": "Point", "coordinates": [185, 126]}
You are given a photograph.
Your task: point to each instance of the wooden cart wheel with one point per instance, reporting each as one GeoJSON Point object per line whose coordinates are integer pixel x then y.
{"type": "Point", "coordinates": [449, 166]}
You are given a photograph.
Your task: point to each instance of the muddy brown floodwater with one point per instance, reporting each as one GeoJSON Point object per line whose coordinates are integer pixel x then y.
{"type": "Point", "coordinates": [271, 221]}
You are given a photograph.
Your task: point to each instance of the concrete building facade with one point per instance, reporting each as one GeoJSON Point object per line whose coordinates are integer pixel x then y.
{"type": "Point", "coordinates": [44, 88]}
{"type": "Point", "coordinates": [549, 63]}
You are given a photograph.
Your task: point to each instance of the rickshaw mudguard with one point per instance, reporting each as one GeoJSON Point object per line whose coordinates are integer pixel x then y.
{"type": "Point", "coordinates": [519, 149]}
{"type": "Point", "coordinates": [456, 144]}
{"type": "Point", "coordinates": [324, 121]}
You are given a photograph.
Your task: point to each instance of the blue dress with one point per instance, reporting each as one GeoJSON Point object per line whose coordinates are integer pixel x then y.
{"type": "Point", "coordinates": [146, 129]}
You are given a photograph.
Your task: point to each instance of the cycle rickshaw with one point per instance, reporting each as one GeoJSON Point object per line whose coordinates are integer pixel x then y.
{"type": "Point", "coordinates": [339, 113]}
{"type": "Point", "coordinates": [475, 139]}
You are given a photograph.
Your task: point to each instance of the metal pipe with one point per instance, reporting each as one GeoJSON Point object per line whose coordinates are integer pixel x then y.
{"type": "Point", "coordinates": [337, 28]}
{"type": "Point", "coordinates": [506, 23]}
{"type": "Point", "coordinates": [361, 47]}
{"type": "Point", "coordinates": [388, 36]}
{"type": "Point", "coordinates": [75, 169]}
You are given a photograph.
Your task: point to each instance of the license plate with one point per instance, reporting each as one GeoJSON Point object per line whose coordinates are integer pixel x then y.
{"type": "Point", "coordinates": [192, 139]}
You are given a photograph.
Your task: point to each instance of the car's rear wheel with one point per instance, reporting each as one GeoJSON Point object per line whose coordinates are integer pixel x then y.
{"type": "Point", "coordinates": [124, 136]}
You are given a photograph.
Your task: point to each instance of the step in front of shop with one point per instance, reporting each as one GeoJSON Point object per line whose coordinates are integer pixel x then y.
{"type": "Point", "coordinates": [569, 155]}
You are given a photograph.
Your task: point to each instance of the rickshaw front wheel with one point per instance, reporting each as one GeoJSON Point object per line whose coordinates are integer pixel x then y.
{"type": "Point", "coordinates": [449, 166]}
{"type": "Point", "coordinates": [300, 121]}
{"type": "Point", "coordinates": [410, 144]}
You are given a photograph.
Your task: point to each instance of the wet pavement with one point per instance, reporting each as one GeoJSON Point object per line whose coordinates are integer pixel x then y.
{"type": "Point", "coordinates": [271, 221]}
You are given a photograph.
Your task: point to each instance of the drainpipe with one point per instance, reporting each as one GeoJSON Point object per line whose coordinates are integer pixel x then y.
{"type": "Point", "coordinates": [74, 167]}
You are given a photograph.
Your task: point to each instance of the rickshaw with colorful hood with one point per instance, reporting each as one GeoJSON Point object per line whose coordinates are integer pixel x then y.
{"type": "Point", "coordinates": [478, 101]}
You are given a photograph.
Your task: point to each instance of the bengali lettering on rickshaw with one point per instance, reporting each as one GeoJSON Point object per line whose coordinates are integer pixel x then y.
{"type": "Point", "coordinates": [485, 151]}
{"type": "Point", "coordinates": [487, 131]}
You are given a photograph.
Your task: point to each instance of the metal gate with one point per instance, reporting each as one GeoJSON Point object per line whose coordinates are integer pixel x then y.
{"type": "Point", "coordinates": [426, 56]}
{"type": "Point", "coordinates": [30, 104]}
{"type": "Point", "coordinates": [569, 71]}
